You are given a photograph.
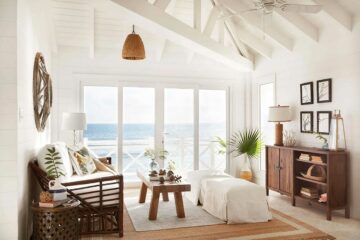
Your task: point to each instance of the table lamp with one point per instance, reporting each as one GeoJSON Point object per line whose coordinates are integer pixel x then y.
{"type": "Point", "coordinates": [279, 114]}
{"type": "Point", "coordinates": [74, 122]}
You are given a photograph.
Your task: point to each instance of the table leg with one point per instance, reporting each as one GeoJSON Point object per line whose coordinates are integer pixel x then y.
{"type": "Point", "coordinates": [165, 196]}
{"type": "Point", "coordinates": [154, 205]}
{"type": "Point", "coordinates": [143, 191]}
{"type": "Point", "coordinates": [179, 204]}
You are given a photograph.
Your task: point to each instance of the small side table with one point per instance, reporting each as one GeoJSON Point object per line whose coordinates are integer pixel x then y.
{"type": "Point", "coordinates": [56, 223]}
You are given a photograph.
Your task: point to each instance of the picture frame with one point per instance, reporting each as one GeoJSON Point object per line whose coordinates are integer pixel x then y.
{"type": "Point", "coordinates": [307, 93]}
{"type": "Point", "coordinates": [307, 122]}
{"type": "Point", "coordinates": [324, 90]}
{"type": "Point", "coordinates": [323, 122]}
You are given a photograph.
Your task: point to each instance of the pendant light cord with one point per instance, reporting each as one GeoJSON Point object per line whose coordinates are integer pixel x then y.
{"type": "Point", "coordinates": [133, 29]}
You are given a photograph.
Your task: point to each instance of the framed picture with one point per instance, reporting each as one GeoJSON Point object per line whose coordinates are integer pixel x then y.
{"type": "Point", "coordinates": [307, 93]}
{"type": "Point", "coordinates": [306, 122]}
{"type": "Point", "coordinates": [323, 122]}
{"type": "Point", "coordinates": [324, 90]}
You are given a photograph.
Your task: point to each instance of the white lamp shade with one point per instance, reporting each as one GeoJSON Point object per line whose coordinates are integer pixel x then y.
{"type": "Point", "coordinates": [73, 121]}
{"type": "Point", "coordinates": [279, 114]}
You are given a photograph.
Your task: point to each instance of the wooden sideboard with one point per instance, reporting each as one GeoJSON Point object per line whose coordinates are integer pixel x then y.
{"type": "Point", "coordinates": [283, 175]}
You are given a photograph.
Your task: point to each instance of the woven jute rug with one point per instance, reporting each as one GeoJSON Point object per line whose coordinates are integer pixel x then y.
{"type": "Point", "coordinates": [281, 226]}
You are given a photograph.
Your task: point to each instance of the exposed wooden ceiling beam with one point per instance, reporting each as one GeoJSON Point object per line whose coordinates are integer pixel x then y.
{"type": "Point", "coordinates": [250, 40]}
{"type": "Point", "coordinates": [211, 22]}
{"type": "Point", "coordinates": [162, 4]}
{"type": "Point", "coordinates": [300, 23]}
{"type": "Point", "coordinates": [238, 44]}
{"type": "Point", "coordinates": [336, 11]}
{"type": "Point", "coordinates": [155, 20]}
{"type": "Point", "coordinates": [255, 20]}
{"type": "Point", "coordinates": [197, 15]}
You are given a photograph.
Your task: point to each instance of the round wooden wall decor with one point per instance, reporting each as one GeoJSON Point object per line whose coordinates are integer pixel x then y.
{"type": "Point", "coordinates": [42, 92]}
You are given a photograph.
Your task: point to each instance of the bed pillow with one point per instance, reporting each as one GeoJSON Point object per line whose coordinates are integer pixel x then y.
{"type": "Point", "coordinates": [83, 165]}
{"type": "Point", "coordinates": [54, 160]}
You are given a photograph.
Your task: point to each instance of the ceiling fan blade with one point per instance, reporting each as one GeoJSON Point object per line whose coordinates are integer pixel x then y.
{"type": "Point", "coordinates": [301, 8]}
{"type": "Point", "coordinates": [227, 16]}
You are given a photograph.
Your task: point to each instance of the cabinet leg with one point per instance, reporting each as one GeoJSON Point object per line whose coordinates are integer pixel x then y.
{"type": "Point", "coordinates": [267, 191]}
{"type": "Point", "coordinates": [293, 201]}
{"type": "Point", "coordinates": [347, 212]}
{"type": "Point", "coordinates": [328, 215]}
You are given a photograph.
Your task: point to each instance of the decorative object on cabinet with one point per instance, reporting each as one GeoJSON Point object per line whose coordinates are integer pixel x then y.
{"type": "Point", "coordinates": [74, 122]}
{"type": "Point", "coordinates": [247, 142]}
{"type": "Point", "coordinates": [307, 93]}
{"type": "Point", "coordinates": [283, 174]}
{"type": "Point", "coordinates": [289, 139]}
{"type": "Point", "coordinates": [325, 144]}
{"type": "Point", "coordinates": [306, 122]}
{"type": "Point", "coordinates": [133, 48]}
{"type": "Point", "coordinates": [337, 140]}
{"type": "Point", "coordinates": [324, 90]}
{"type": "Point", "coordinates": [323, 122]}
{"type": "Point", "coordinates": [279, 114]}
{"type": "Point", "coordinates": [315, 172]}
{"type": "Point", "coordinates": [42, 92]}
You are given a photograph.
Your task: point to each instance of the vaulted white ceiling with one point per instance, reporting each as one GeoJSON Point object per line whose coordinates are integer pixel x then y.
{"type": "Point", "coordinates": [198, 31]}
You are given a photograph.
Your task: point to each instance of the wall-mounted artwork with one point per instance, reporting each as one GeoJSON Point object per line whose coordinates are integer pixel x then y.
{"type": "Point", "coordinates": [307, 93]}
{"type": "Point", "coordinates": [323, 122]}
{"type": "Point", "coordinates": [306, 122]}
{"type": "Point", "coordinates": [324, 90]}
{"type": "Point", "coordinates": [42, 92]}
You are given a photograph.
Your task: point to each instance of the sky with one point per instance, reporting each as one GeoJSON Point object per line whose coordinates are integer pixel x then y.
{"type": "Point", "coordinates": [100, 105]}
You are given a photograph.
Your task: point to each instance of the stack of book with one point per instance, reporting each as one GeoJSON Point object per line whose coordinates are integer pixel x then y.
{"type": "Point", "coordinates": [323, 198]}
{"type": "Point", "coordinates": [316, 159]}
{"type": "Point", "coordinates": [304, 157]}
{"type": "Point", "coordinates": [309, 192]}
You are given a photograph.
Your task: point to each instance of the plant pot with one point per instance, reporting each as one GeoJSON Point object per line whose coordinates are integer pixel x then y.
{"type": "Point", "coordinates": [245, 170]}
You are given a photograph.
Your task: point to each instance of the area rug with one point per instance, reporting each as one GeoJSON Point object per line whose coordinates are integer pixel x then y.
{"type": "Point", "coordinates": [166, 218]}
{"type": "Point", "coordinates": [280, 227]}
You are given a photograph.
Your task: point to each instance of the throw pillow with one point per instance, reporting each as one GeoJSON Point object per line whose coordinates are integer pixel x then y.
{"type": "Point", "coordinates": [54, 160]}
{"type": "Point", "coordinates": [83, 165]}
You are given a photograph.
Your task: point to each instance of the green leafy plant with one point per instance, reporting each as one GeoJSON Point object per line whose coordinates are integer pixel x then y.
{"type": "Point", "coordinates": [247, 142]}
{"type": "Point", "coordinates": [150, 153]}
{"type": "Point", "coordinates": [52, 163]}
{"type": "Point", "coordinates": [221, 144]}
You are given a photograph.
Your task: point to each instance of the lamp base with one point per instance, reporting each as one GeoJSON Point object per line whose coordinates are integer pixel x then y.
{"type": "Point", "coordinates": [279, 135]}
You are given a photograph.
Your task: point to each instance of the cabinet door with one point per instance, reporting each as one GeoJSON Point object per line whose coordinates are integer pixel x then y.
{"type": "Point", "coordinates": [273, 155]}
{"type": "Point", "coordinates": [286, 170]}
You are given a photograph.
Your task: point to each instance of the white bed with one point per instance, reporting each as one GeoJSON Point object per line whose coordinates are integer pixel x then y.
{"type": "Point", "coordinates": [231, 199]}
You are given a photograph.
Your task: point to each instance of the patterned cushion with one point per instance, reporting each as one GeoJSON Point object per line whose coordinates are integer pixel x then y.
{"type": "Point", "coordinates": [83, 165]}
{"type": "Point", "coordinates": [54, 160]}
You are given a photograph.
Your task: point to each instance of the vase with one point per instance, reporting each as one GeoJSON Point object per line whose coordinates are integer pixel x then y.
{"type": "Point", "coordinates": [245, 170]}
{"type": "Point", "coordinates": [154, 166]}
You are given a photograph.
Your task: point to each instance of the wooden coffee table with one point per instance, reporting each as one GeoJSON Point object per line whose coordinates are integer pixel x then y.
{"type": "Point", "coordinates": [164, 189]}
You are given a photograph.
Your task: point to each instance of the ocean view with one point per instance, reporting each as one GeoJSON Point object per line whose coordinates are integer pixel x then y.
{"type": "Point", "coordinates": [98, 132]}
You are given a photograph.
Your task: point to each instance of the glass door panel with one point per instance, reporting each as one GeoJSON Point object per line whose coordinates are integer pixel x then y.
{"type": "Point", "coordinates": [179, 128]}
{"type": "Point", "coordinates": [101, 108]}
{"type": "Point", "coordinates": [267, 129]}
{"type": "Point", "coordinates": [212, 129]}
{"type": "Point", "coordinates": [138, 129]}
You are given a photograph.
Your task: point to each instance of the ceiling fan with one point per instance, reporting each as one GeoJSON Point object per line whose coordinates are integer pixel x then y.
{"type": "Point", "coordinates": [269, 6]}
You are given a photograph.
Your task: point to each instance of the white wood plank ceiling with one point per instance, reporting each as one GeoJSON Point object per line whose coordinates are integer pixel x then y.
{"type": "Point", "coordinates": [198, 27]}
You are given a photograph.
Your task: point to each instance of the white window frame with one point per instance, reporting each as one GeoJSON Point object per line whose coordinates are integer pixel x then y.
{"type": "Point", "coordinates": [159, 86]}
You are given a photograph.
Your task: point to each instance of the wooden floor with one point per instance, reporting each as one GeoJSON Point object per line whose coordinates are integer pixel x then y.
{"type": "Point", "coordinates": [274, 229]}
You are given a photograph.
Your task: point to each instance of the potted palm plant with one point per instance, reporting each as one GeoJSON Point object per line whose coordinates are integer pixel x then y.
{"type": "Point", "coordinates": [246, 142]}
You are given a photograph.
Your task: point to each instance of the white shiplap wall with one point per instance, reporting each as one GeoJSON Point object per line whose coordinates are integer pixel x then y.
{"type": "Point", "coordinates": [8, 123]}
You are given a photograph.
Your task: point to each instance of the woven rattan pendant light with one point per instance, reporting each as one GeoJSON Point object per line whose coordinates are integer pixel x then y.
{"type": "Point", "coordinates": [133, 48]}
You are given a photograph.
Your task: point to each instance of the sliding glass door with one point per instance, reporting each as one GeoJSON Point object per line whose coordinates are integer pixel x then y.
{"type": "Point", "coordinates": [190, 123]}
{"type": "Point", "coordinates": [138, 129]}
{"type": "Point", "coordinates": [179, 128]}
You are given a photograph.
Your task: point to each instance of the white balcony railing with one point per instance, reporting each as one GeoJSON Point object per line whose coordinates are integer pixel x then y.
{"type": "Point", "coordinates": [180, 150]}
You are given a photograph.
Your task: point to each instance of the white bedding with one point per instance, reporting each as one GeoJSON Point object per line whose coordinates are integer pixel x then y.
{"type": "Point", "coordinates": [230, 199]}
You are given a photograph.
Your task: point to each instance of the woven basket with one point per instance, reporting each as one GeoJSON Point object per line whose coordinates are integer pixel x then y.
{"type": "Point", "coordinates": [315, 172]}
